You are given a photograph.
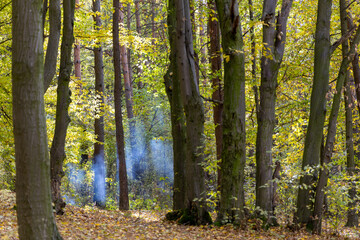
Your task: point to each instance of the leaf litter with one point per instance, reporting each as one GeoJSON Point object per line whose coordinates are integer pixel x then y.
{"type": "Point", "coordinates": [92, 223]}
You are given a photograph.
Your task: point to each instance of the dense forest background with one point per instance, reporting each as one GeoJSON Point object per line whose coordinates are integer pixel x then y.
{"type": "Point", "coordinates": [146, 57]}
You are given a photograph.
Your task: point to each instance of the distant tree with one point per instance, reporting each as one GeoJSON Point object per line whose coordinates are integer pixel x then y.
{"type": "Point", "coordinates": [217, 85]}
{"type": "Point", "coordinates": [98, 160]}
{"type": "Point", "coordinates": [33, 192]}
{"type": "Point", "coordinates": [120, 142]}
{"type": "Point", "coordinates": [62, 120]}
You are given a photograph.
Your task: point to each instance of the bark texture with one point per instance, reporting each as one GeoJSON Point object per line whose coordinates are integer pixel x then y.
{"type": "Point", "coordinates": [178, 129]}
{"type": "Point", "coordinates": [120, 141]}
{"type": "Point", "coordinates": [330, 139]}
{"type": "Point", "coordinates": [274, 36]}
{"type": "Point", "coordinates": [129, 100]}
{"type": "Point", "coordinates": [33, 192]}
{"type": "Point", "coordinates": [195, 212]}
{"type": "Point", "coordinates": [57, 151]}
{"type": "Point", "coordinates": [53, 43]}
{"type": "Point", "coordinates": [233, 154]}
{"type": "Point", "coordinates": [314, 133]}
{"type": "Point", "coordinates": [98, 160]}
{"type": "Point", "coordinates": [216, 83]}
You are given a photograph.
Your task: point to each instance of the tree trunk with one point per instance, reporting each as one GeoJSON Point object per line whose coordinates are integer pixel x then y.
{"type": "Point", "coordinates": [313, 139]}
{"type": "Point", "coordinates": [128, 97]}
{"type": "Point", "coordinates": [274, 35]}
{"type": "Point", "coordinates": [196, 211]}
{"type": "Point", "coordinates": [98, 161]}
{"type": "Point", "coordinates": [217, 86]}
{"type": "Point", "coordinates": [57, 151]}
{"type": "Point", "coordinates": [352, 216]}
{"type": "Point", "coordinates": [330, 139]}
{"type": "Point", "coordinates": [53, 43]}
{"type": "Point", "coordinates": [77, 60]}
{"type": "Point", "coordinates": [172, 86]}
{"type": "Point", "coordinates": [137, 16]}
{"type": "Point", "coordinates": [120, 142]}
{"type": "Point", "coordinates": [33, 192]}
{"type": "Point", "coordinates": [233, 156]}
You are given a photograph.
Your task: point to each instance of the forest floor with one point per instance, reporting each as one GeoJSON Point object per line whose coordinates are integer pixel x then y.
{"type": "Point", "coordinates": [91, 223]}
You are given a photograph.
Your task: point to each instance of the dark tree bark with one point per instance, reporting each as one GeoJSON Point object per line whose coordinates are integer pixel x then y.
{"type": "Point", "coordinates": [137, 16]}
{"type": "Point", "coordinates": [98, 161]}
{"type": "Point", "coordinates": [33, 191]}
{"type": "Point", "coordinates": [120, 142]}
{"type": "Point", "coordinates": [314, 134]}
{"type": "Point", "coordinates": [217, 86]}
{"type": "Point", "coordinates": [57, 151]}
{"type": "Point", "coordinates": [352, 215]}
{"type": "Point", "coordinates": [178, 130]}
{"type": "Point", "coordinates": [196, 211]}
{"type": "Point", "coordinates": [77, 59]}
{"type": "Point", "coordinates": [274, 36]}
{"type": "Point", "coordinates": [330, 139]}
{"type": "Point", "coordinates": [53, 43]}
{"type": "Point", "coordinates": [233, 156]}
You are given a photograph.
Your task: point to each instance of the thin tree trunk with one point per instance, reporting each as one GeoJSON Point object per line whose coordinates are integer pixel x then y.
{"type": "Point", "coordinates": [330, 139]}
{"type": "Point", "coordinates": [274, 35]}
{"type": "Point", "coordinates": [253, 42]}
{"type": "Point", "coordinates": [196, 210]}
{"type": "Point", "coordinates": [77, 59]}
{"type": "Point", "coordinates": [178, 130]}
{"type": "Point", "coordinates": [33, 192]}
{"type": "Point", "coordinates": [128, 98]}
{"type": "Point", "coordinates": [53, 43]}
{"type": "Point", "coordinates": [98, 160]}
{"type": "Point", "coordinates": [120, 142]}
{"type": "Point", "coordinates": [356, 72]}
{"type": "Point", "coordinates": [352, 216]}
{"type": "Point", "coordinates": [137, 16]}
{"type": "Point", "coordinates": [218, 94]}
{"type": "Point", "coordinates": [314, 134]}
{"type": "Point", "coordinates": [57, 151]}
{"type": "Point", "coordinates": [233, 156]}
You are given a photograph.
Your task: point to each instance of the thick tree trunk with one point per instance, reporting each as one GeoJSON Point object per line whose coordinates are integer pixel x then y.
{"type": "Point", "coordinates": [196, 211]}
{"type": "Point", "coordinates": [33, 192]}
{"type": "Point", "coordinates": [313, 139]}
{"type": "Point", "coordinates": [233, 156]}
{"type": "Point", "coordinates": [330, 139]}
{"type": "Point", "coordinates": [178, 130]}
{"type": "Point", "coordinates": [274, 35]}
{"type": "Point", "coordinates": [98, 161]}
{"type": "Point", "coordinates": [53, 43]}
{"type": "Point", "coordinates": [120, 142]}
{"type": "Point", "coordinates": [57, 151]}
{"type": "Point", "coordinates": [217, 86]}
